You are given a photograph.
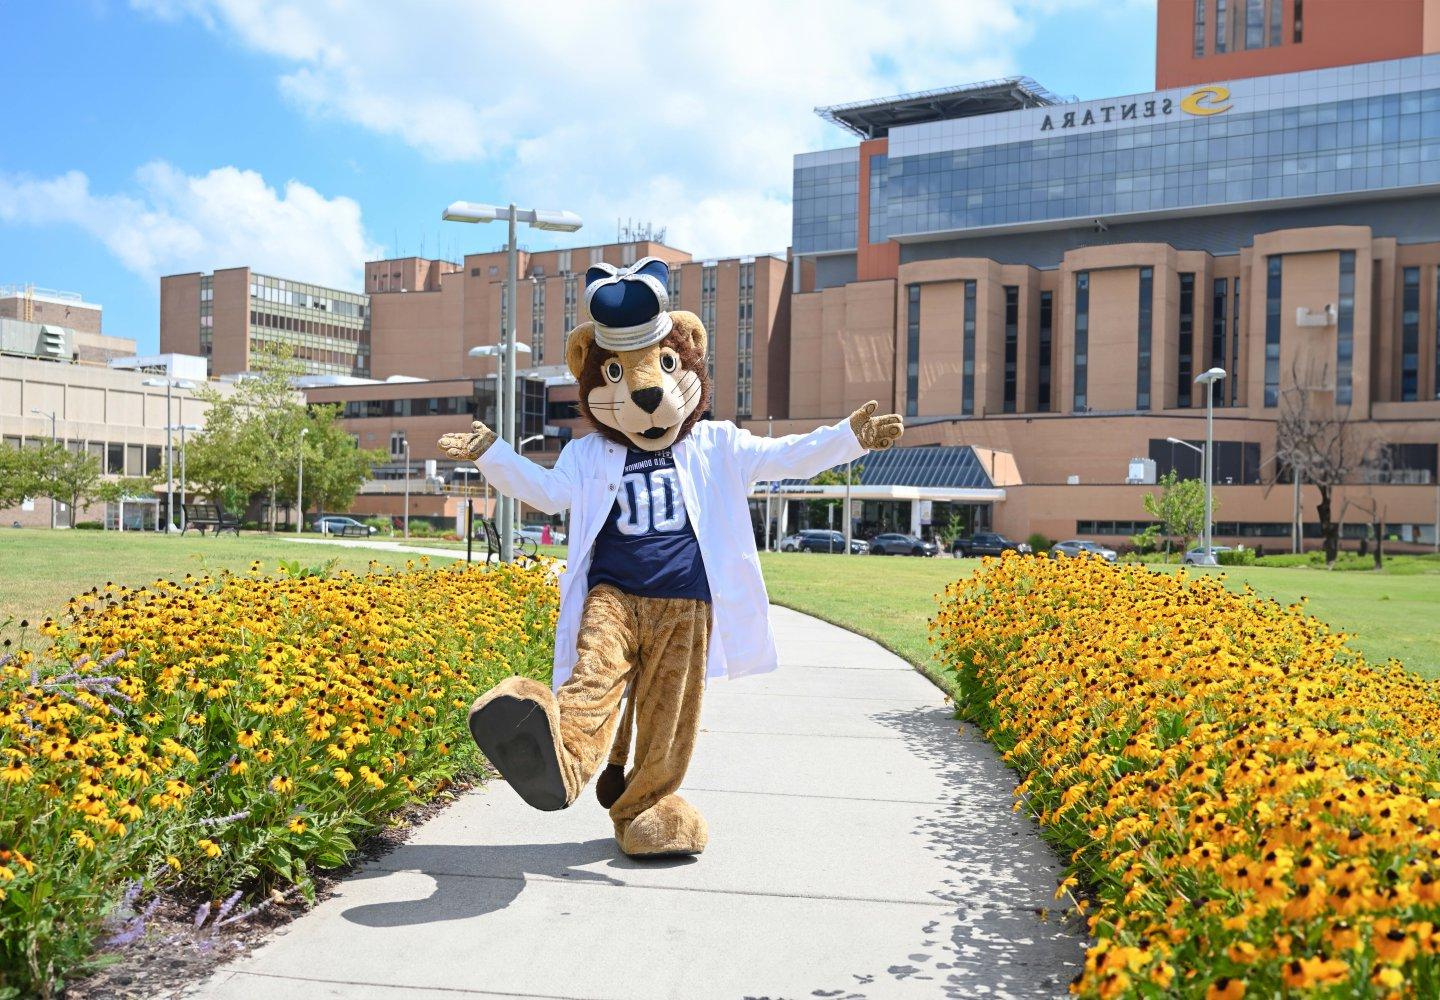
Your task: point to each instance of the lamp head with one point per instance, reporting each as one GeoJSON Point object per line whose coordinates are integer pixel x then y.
{"type": "Point", "coordinates": [470, 211]}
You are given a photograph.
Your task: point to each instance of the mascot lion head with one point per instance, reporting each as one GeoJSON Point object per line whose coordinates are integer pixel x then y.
{"type": "Point", "coordinates": [640, 367]}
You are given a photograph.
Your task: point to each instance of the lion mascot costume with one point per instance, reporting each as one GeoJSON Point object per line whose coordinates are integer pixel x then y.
{"type": "Point", "coordinates": [663, 586]}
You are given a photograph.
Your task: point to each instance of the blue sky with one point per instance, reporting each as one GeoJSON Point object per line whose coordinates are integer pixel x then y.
{"type": "Point", "coordinates": [302, 138]}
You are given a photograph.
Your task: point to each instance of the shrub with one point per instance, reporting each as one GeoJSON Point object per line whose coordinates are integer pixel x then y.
{"type": "Point", "coordinates": [89, 526]}
{"type": "Point", "coordinates": [1236, 557]}
{"type": "Point", "coordinates": [1250, 808]}
{"type": "Point", "coordinates": [228, 733]}
{"type": "Point", "coordinates": [1039, 543]}
{"type": "Point", "coordinates": [382, 525]}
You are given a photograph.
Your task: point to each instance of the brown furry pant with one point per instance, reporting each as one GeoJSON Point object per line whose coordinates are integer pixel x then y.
{"type": "Point", "coordinates": [658, 646]}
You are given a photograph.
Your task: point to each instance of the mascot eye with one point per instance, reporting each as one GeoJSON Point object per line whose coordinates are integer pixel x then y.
{"type": "Point", "coordinates": [669, 362]}
{"type": "Point", "coordinates": [613, 371]}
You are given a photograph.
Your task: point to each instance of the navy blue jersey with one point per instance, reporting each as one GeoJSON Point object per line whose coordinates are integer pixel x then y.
{"type": "Point", "coordinates": [647, 545]}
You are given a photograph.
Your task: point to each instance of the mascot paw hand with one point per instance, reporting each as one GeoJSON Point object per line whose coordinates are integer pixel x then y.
{"type": "Point", "coordinates": [876, 433]}
{"type": "Point", "coordinates": [469, 444]}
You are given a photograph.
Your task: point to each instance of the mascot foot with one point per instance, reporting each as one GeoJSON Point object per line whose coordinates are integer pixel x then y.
{"type": "Point", "coordinates": [517, 726]}
{"type": "Point", "coordinates": [669, 828]}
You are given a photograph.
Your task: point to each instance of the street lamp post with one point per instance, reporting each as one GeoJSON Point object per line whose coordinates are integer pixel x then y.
{"type": "Point", "coordinates": [182, 428]}
{"type": "Point", "coordinates": [564, 222]}
{"type": "Point", "coordinates": [407, 489]}
{"type": "Point", "coordinates": [1208, 380]}
{"type": "Point", "coordinates": [300, 484]}
{"type": "Point", "coordinates": [169, 384]}
{"type": "Point", "coordinates": [52, 415]}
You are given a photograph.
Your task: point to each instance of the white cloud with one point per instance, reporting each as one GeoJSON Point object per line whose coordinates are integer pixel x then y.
{"type": "Point", "coordinates": [686, 114]}
{"type": "Point", "coordinates": [174, 222]}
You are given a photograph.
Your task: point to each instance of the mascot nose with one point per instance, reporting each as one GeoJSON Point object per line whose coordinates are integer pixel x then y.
{"type": "Point", "coordinates": [648, 399]}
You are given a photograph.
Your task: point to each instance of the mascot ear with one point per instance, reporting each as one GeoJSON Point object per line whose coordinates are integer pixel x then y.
{"type": "Point", "coordinates": [689, 327]}
{"type": "Point", "coordinates": [577, 347]}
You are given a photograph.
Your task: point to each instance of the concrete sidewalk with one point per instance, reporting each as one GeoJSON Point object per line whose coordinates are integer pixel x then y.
{"type": "Point", "coordinates": [859, 847]}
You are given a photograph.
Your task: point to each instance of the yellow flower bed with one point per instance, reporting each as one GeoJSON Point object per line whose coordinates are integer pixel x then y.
{"type": "Point", "coordinates": [1251, 809]}
{"type": "Point", "coordinates": [229, 732]}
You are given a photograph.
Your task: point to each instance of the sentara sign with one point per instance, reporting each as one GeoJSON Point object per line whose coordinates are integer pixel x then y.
{"type": "Point", "coordinates": [1201, 102]}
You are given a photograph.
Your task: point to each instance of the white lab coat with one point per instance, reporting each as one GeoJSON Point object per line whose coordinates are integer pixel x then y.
{"type": "Point", "coordinates": [716, 463]}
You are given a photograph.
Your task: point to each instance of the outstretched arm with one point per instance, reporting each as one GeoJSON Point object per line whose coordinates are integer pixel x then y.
{"type": "Point", "coordinates": [548, 490]}
{"type": "Point", "coordinates": [800, 456]}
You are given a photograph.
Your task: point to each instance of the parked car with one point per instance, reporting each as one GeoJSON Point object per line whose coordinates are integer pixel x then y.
{"type": "Point", "coordinates": [987, 543]}
{"type": "Point", "coordinates": [1077, 547]}
{"type": "Point", "coordinates": [535, 534]}
{"type": "Point", "coordinates": [334, 524]}
{"type": "Point", "coordinates": [1196, 556]}
{"type": "Point", "coordinates": [821, 540]}
{"type": "Point", "coordinates": [790, 543]}
{"type": "Point", "coordinates": [894, 544]}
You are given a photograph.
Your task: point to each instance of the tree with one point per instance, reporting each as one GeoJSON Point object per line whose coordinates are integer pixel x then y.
{"type": "Point", "coordinates": [17, 475]}
{"type": "Point", "coordinates": [820, 509]}
{"type": "Point", "coordinates": [1180, 509]}
{"type": "Point", "coordinates": [251, 438]}
{"type": "Point", "coordinates": [1317, 440]}
{"type": "Point", "coordinates": [335, 465]}
{"type": "Point", "coordinates": [65, 476]}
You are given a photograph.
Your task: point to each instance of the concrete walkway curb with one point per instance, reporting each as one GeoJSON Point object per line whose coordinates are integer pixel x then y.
{"type": "Point", "coordinates": [860, 847]}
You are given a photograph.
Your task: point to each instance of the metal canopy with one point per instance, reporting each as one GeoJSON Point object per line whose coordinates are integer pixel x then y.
{"type": "Point", "coordinates": [945, 467]}
{"type": "Point", "coordinates": [875, 118]}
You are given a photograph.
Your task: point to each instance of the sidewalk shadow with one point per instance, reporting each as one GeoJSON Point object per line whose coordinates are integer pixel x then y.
{"type": "Point", "coordinates": [466, 888]}
{"type": "Point", "coordinates": [1004, 935]}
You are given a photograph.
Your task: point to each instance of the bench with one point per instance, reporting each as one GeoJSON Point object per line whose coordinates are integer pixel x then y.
{"type": "Point", "coordinates": [351, 531]}
{"type": "Point", "coordinates": [209, 515]}
{"type": "Point", "coordinates": [522, 547]}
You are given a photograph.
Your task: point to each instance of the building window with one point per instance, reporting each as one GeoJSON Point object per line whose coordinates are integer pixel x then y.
{"type": "Point", "coordinates": [1237, 463]}
{"type": "Point", "coordinates": [572, 300]}
{"type": "Point", "coordinates": [537, 320]}
{"type": "Point", "coordinates": [672, 286]}
{"type": "Point", "coordinates": [1186, 353]}
{"type": "Point", "coordinates": [967, 363]}
{"type": "Point", "coordinates": [1437, 334]}
{"type": "Point", "coordinates": [1345, 329]}
{"type": "Point", "coordinates": [912, 350]}
{"type": "Point", "coordinates": [1012, 344]}
{"type": "Point", "coordinates": [1297, 33]}
{"type": "Point", "coordinates": [1234, 378]}
{"type": "Point", "coordinates": [397, 445]}
{"type": "Point", "coordinates": [1275, 21]}
{"type": "Point", "coordinates": [1199, 28]}
{"type": "Point", "coordinates": [1409, 330]}
{"type": "Point", "coordinates": [1254, 24]}
{"type": "Point", "coordinates": [875, 224]}
{"type": "Point", "coordinates": [1143, 338]}
{"type": "Point", "coordinates": [707, 314]}
{"type": "Point", "coordinates": [745, 341]}
{"type": "Point", "coordinates": [1220, 33]}
{"type": "Point", "coordinates": [1219, 301]}
{"type": "Point", "coordinates": [1047, 313]}
{"type": "Point", "coordinates": [1082, 338]}
{"type": "Point", "coordinates": [1272, 331]}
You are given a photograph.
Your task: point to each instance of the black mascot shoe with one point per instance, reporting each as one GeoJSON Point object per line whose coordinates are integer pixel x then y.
{"type": "Point", "coordinates": [516, 727]}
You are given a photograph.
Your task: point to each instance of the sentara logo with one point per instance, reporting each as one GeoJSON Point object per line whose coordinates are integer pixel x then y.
{"type": "Point", "coordinates": [1206, 101]}
{"type": "Point", "coordinates": [1203, 102]}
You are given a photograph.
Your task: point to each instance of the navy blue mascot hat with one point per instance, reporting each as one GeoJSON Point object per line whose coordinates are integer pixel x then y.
{"type": "Point", "coordinates": [629, 306]}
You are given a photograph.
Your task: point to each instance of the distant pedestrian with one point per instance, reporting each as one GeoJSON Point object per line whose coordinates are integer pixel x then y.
{"type": "Point", "coordinates": [545, 537]}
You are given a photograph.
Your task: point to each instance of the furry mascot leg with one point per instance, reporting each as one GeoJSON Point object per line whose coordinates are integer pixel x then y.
{"type": "Point", "coordinates": [548, 746]}
{"type": "Point", "coordinates": [650, 819]}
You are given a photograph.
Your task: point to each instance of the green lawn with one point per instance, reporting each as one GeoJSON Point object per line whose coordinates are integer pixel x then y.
{"type": "Point", "coordinates": [40, 569]}
{"type": "Point", "coordinates": [890, 600]}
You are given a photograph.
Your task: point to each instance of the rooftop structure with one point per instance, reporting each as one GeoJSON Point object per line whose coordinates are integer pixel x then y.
{"type": "Point", "coordinates": [875, 118]}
